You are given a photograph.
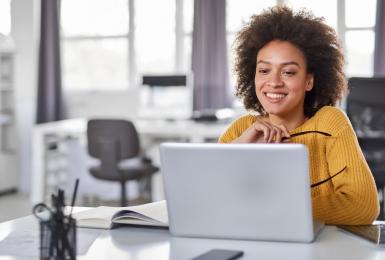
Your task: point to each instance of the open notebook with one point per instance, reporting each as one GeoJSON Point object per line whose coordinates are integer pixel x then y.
{"type": "Point", "coordinates": [151, 214]}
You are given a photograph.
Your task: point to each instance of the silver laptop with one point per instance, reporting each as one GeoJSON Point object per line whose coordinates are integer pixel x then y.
{"type": "Point", "coordinates": [238, 191]}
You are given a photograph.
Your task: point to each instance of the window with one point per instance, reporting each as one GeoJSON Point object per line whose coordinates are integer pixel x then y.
{"type": "Point", "coordinates": [5, 17]}
{"type": "Point", "coordinates": [155, 36]}
{"type": "Point", "coordinates": [358, 35]}
{"type": "Point", "coordinates": [185, 45]}
{"type": "Point", "coordinates": [107, 45]}
{"type": "Point", "coordinates": [95, 44]}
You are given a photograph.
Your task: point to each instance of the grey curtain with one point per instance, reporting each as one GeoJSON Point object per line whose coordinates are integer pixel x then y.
{"type": "Point", "coordinates": [209, 56]}
{"type": "Point", "coordinates": [379, 48]}
{"type": "Point", "coordinates": [49, 98]}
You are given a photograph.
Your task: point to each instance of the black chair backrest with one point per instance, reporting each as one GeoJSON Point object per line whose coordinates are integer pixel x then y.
{"type": "Point", "coordinates": [366, 106]}
{"type": "Point", "coordinates": [366, 110]}
{"type": "Point", "coordinates": [112, 139]}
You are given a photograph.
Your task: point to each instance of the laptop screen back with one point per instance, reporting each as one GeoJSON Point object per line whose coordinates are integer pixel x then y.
{"type": "Point", "coordinates": [238, 191]}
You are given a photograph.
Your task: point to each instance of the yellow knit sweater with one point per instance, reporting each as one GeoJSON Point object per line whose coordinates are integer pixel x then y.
{"type": "Point", "coordinates": [350, 197]}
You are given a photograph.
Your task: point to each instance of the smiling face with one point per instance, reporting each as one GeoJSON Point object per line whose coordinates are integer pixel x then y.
{"type": "Point", "coordinates": [281, 79]}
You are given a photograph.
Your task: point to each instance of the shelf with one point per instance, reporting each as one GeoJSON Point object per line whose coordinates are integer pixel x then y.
{"type": "Point", "coordinates": [8, 133]}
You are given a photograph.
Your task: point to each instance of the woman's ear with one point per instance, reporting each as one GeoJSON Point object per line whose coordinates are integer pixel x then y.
{"type": "Point", "coordinates": [309, 82]}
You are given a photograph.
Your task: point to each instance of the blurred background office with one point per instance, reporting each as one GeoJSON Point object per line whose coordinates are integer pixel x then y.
{"type": "Point", "coordinates": [74, 60]}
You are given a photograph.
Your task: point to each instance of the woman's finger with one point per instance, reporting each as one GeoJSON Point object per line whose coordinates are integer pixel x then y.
{"type": "Point", "coordinates": [278, 135]}
{"type": "Point", "coordinates": [261, 127]}
{"type": "Point", "coordinates": [284, 130]}
{"type": "Point", "coordinates": [273, 133]}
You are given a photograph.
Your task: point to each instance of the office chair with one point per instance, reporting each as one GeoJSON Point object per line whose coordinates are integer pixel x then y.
{"type": "Point", "coordinates": [366, 110]}
{"type": "Point", "coordinates": [116, 144]}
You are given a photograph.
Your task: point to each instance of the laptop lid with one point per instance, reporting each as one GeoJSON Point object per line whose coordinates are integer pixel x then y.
{"type": "Point", "coordinates": [238, 191]}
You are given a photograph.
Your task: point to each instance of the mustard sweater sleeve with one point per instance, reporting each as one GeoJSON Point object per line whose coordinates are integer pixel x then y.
{"type": "Point", "coordinates": [236, 128]}
{"type": "Point", "coordinates": [354, 198]}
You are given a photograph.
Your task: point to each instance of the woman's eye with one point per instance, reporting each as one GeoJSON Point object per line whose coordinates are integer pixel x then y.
{"type": "Point", "coordinates": [289, 73]}
{"type": "Point", "coordinates": [263, 71]}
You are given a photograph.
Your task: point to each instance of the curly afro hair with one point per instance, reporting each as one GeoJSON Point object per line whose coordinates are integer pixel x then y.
{"type": "Point", "coordinates": [317, 41]}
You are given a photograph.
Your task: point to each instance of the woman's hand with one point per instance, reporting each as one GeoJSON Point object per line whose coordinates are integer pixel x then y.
{"type": "Point", "coordinates": [263, 132]}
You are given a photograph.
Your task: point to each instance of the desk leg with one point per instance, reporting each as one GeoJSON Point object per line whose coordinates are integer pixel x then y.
{"type": "Point", "coordinates": [37, 172]}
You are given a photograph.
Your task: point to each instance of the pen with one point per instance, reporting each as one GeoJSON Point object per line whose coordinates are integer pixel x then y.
{"type": "Point", "coordinates": [74, 195]}
{"type": "Point", "coordinates": [305, 132]}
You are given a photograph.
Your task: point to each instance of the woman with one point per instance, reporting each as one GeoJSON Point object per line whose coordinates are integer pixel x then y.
{"type": "Point", "coordinates": [289, 68]}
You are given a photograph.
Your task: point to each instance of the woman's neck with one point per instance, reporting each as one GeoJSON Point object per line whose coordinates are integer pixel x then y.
{"type": "Point", "coordinates": [290, 122]}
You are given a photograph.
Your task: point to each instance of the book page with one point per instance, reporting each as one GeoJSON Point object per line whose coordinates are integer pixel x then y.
{"type": "Point", "coordinates": [147, 214]}
{"type": "Point", "coordinates": [99, 217]}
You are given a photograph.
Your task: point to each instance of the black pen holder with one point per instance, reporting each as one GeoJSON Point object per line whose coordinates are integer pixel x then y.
{"type": "Point", "coordinates": [58, 238]}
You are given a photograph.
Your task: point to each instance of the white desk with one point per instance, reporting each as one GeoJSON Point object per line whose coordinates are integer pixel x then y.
{"type": "Point", "coordinates": [148, 129]}
{"type": "Point", "coordinates": [135, 243]}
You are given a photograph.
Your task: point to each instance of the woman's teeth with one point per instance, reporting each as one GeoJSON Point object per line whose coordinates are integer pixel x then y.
{"type": "Point", "coordinates": [275, 95]}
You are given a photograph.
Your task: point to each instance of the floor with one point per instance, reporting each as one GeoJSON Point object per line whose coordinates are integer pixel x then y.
{"type": "Point", "coordinates": [14, 205]}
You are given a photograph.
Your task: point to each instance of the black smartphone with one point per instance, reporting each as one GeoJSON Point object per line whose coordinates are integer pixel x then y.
{"type": "Point", "coordinates": [220, 254]}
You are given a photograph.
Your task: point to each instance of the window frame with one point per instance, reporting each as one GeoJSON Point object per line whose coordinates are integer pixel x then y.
{"type": "Point", "coordinates": [133, 77]}
{"type": "Point", "coordinates": [343, 29]}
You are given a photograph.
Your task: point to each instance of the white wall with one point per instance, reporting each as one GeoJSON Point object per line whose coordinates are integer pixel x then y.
{"type": "Point", "coordinates": [25, 34]}
{"type": "Point", "coordinates": [89, 104]}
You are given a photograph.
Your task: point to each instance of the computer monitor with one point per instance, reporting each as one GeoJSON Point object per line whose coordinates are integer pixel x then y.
{"type": "Point", "coordinates": [166, 96]}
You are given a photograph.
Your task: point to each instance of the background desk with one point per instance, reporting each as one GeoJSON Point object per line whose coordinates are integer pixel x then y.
{"type": "Point", "coordinates": [136, 243]}
{"type": "Point", "coordinates": [150, 131]}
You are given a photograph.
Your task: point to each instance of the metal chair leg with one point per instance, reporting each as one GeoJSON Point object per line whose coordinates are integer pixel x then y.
{"type": "Point", "coordinates": [145, 188]}
{"type": "Point", "coordinates": [123, 195]}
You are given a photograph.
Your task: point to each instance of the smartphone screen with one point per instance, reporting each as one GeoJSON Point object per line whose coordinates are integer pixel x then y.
{"type": "Point", "coordinates": [220, 254]}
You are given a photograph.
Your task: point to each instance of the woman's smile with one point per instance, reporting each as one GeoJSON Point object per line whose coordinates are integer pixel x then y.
{"type": "Point", "coordinates": [274, 97]}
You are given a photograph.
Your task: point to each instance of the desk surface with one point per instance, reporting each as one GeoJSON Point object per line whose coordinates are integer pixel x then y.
{"type": "Point", "coordinates": [141, 243]}
{"type": "Point", "coordinates": [156, 128]}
